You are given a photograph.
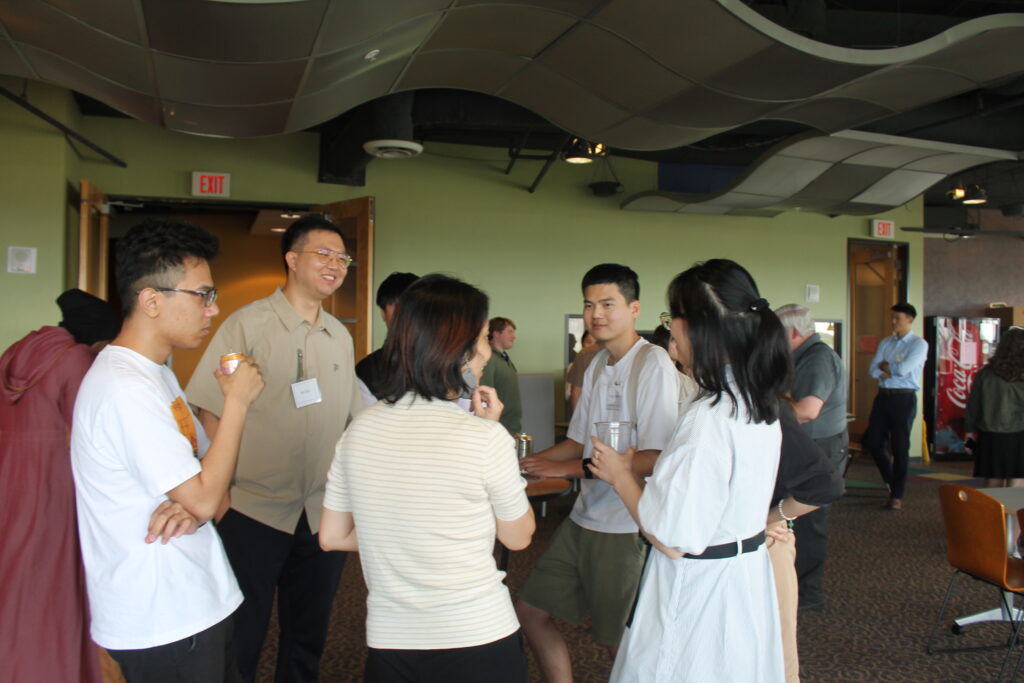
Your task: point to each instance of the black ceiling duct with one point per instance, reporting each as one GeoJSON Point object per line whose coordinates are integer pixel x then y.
{"type": "Point", "coordinates": [343, 160]}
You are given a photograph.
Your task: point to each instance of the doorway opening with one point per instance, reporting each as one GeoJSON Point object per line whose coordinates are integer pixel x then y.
{"type": "Point", "coordinates": [249, 265]}
{"type": "Point", "coordinates": [877, 281]}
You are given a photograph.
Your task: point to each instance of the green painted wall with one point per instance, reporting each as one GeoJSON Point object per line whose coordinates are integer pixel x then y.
{"type": "Point", "coordinates": [34, 161]}
{"type": "Point", "coordinates": [453, 210]}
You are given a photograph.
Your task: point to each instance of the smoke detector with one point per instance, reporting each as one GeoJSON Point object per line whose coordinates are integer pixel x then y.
{"type": "Point", "coordinates": [392, 149]}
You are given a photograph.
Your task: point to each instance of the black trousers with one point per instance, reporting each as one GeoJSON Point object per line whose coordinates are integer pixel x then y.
{"type": "Point", "coordinates": [305, 578]}
{"type": "Point", "coordinates": [892, 416]}
{"type": "Point", "coordinates": [811, 532]}
{"type": "Point", "coordinates": [206, 657]}
{"type": "Point", "coordinates": [503, 661]}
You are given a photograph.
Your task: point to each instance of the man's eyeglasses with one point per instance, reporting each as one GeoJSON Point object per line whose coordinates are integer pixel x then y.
{"type": "Point", "coordinates": [207, 295]}
{"type": "Point", "coordinates": [325, 256]}
{"type": "Point", "coordinates": [666, 320]}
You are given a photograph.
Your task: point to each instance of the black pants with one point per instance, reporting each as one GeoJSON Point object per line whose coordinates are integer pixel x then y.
{"type": "Point", "coordinates": [892, 415]}
{"type": "Point", "coordinates": [503, 661]}
{"type": "Point", "coordinates": [206, 657]}
{"type": "Point", "coordinates": [306, 579]}
{"type": "Point", "coordinates": [811, 532]}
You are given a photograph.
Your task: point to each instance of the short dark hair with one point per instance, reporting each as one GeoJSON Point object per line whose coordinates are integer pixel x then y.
{"type": "Point", "coordinates": [393, 286]}
{"type": "Point", "coordinates": [904, 308]}
{"type": "Point", "coordinates": [614, 274]}
{"type": "Point", "coordinates": [298, 230]}
{"type": "Point", "coordinates": [153, 254]}
{"type": "Point", "coordinates": [432, 336]}
{"type": "Point", "coordinates": [729, 323]}
{"type": "Point", "coordinates": [498, 324]}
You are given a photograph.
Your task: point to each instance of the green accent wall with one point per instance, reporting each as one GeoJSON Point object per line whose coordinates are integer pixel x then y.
{"type": "Point", "coordinates": [452, 210]}
{"type": "Point", "coordinates": [35, 163]}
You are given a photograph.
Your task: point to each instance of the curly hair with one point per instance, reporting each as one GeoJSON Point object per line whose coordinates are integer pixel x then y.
{"type": "Point", "coordinates": [1008, 360]}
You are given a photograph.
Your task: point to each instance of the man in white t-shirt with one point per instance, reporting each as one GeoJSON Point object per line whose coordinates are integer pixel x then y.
{"type": "Point", "coordinates": [594, 562]}
{"type": "Point", "coordinates": [144, 470]}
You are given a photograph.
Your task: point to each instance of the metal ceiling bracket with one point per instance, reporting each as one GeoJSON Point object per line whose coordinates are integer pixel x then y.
{"type": "Point", "coordinates": [25, 104]}
{"type": "Point", "coordinates": [547, 164]}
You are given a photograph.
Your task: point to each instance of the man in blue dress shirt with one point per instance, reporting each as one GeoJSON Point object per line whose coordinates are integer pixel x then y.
{"type": "Point", "coordinates": [897, 367]}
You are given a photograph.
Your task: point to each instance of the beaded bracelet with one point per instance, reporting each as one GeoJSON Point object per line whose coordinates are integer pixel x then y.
{"type": "Point", "coordinates": [789, 520]}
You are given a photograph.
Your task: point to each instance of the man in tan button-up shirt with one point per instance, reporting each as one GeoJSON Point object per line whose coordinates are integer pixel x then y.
{"type": "Point", "coordinates": [269, 530]}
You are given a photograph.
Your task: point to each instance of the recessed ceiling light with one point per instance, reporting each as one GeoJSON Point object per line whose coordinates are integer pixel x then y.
{"type": "Point", "coordinates": [278, 229]}
{"type": "Point", "coordinates": [290, 216]}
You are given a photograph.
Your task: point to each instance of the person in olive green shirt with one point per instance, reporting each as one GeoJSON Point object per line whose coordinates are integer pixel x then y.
{"type": "Point", "coordinates": [501, 374]}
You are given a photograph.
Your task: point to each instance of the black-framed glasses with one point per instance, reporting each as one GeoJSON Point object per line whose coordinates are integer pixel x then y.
{"type": "Point", "coordinates": [325, 256]}
{"type": "Point", "coordinates": [666, 320]}
{"type": "Point", "coordinates": [207, 295]}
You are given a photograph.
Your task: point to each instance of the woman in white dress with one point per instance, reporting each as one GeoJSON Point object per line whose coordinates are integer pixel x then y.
{"type": "Point", "coordinates": [706, 609]}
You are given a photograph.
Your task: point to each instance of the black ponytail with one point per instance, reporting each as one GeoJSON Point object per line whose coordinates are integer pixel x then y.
{"type": "Point", "coordinates": [730, 324]}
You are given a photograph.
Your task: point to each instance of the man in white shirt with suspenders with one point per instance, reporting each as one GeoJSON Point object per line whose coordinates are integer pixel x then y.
{"type": "Point", "coordinates": [594, 562]}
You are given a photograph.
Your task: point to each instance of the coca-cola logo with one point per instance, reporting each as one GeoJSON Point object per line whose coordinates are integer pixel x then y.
{"type": "Point", "coordinates": [957, 392]}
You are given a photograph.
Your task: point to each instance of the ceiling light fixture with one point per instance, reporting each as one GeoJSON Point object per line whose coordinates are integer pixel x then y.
{"type": "Point", "coordinates": [956, 193]}
{"type": "Point", "coordinates": [579, 151]}
{"type": "Point", "coordinates": [290, 216]}
{"type": "Point", "coordinates": [975, 195]}
{"type": "Point", "coordinates": [278, 229]}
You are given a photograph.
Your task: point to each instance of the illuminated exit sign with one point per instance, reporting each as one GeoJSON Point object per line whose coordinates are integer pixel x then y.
{"type": "Point", "coordinates": [206, 184]}
{"type": "Point", "coordinates": [883, 229]}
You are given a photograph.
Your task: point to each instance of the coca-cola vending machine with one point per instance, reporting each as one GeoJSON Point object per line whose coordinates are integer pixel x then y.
{"type": "Point", "coordinates": [957, 349]}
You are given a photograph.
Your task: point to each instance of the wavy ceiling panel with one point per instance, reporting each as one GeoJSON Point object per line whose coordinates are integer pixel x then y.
{"type": "Point", "coordinates": [639, 74]}
{"type": "Point", "coordinates": [849, 172]}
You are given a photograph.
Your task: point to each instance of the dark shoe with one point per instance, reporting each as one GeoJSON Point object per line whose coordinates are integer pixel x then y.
{"type": "Point", "coordinates": [894, 504]}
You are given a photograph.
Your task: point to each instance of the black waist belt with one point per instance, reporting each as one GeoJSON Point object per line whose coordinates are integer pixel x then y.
{"type": "Point", "coordinates": [718, 552]}
{"type": "Point", "coordinates": [896, 391]}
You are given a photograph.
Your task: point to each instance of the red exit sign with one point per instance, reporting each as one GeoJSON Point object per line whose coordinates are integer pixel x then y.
{"type": "Point", "coordinates": [883, 229]}
{"type": "Point", "coordinates": [206, 184]}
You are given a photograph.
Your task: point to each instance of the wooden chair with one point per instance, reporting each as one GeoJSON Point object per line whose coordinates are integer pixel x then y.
{"type": "Point", "coordinates": [976, 544]}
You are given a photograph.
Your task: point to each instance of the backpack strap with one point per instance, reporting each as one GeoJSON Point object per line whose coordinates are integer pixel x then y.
{"type": "Point", "coordinates": [634, 380]}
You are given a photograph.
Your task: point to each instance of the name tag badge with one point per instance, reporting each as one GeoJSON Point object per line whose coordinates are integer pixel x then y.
{"type": "Point", "coordinates": [306, 393]}
{"type": "Point", "coordinates": [899, 357]}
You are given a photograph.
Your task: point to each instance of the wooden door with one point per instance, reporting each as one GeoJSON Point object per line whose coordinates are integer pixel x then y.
{"type": "Point", "coordinates": [93, 238]}
{"type": "Point", "coordinates": [877, 282]}
{"type": "Point", "coordinates": [352, 304]}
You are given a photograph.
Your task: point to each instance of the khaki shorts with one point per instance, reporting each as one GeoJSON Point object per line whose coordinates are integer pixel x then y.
{"type": "Point", "coordinates": [585, 571]}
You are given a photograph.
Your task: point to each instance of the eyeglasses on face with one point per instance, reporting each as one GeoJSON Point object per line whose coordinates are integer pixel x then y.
{"type": "Point", "coordinates": [325, 256]}
{"type": "Point", "coordinates": [207, 295]}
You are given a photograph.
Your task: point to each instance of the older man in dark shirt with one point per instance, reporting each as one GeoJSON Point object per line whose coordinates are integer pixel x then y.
{"type": "Point", "coordinates": [819, 392]}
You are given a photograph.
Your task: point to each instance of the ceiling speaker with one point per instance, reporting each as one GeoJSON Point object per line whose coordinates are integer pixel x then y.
{"type": "Point", "coordinates": [392, 149]}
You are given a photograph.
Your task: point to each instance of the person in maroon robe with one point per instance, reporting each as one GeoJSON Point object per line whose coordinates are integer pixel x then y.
{"type": "Point", "coordinates": [45, 618]}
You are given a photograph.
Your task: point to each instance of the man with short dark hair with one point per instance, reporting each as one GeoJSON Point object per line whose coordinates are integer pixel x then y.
{"type": "Point", "coordinates": [369, 369]}
{"type": "Point", "coordinates": [594, 562]}
{"type": "Point", "coordinates": [163, 611]}
{"type": "Point", "coordinates": [819, 392]}
{"type": "Point", "coordinates": [270, 529]}
{"type": "Point", "coordinates": [897, 366]}
{"type": "Point", "coordinates": [500, 373]}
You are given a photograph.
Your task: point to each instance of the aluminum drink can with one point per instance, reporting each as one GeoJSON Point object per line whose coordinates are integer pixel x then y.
{"type": "Point", "coordinates": [229, 362]}
{"type": "Point", "coordinates": [524, 446]}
